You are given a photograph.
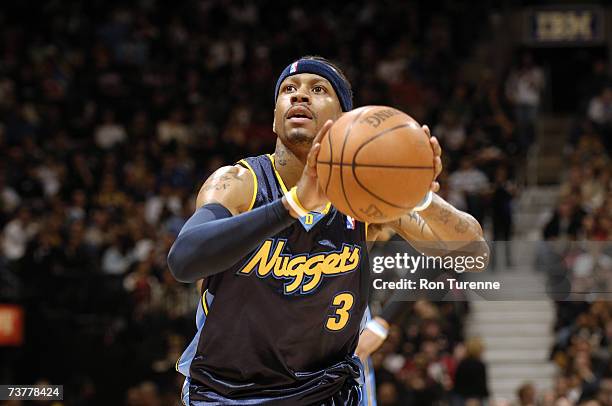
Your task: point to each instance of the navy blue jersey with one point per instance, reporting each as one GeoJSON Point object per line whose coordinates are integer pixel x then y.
{"type": "Point", "coordinates": [284, 321]}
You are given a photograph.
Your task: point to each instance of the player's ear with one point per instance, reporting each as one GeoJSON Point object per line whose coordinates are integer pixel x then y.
{"type": "Point", "coordinates": [274, 122]}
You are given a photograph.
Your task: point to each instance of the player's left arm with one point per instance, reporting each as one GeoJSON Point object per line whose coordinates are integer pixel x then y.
{"type": "Point", "coordinates": [441, 229]}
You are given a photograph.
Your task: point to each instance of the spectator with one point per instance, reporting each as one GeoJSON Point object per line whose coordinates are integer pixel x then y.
{"type": "Point", "coordinates": [604, 395]}
{"type": "Point", "coordinates": [524, 88]}
{"type": "Point", "coordinates": [173, 129]}
{"type": "Point", "coordinates": [172, 299]}
{"type": "Point", "coordinates": [118, 257]}
{"type": "Point", "coordinates": [471, 375]}
{"type": "Point", "coordinates": [387, 394]}
{"type": "Point", "coordinates": [600, 108]}
{"type": "Point", "coordinates": [9, 199]}
{"type": "Point", "coordinates": [143, 287]}
{"type": "Point", "coordinates": [468, 187]}
{"type": "Point", "coordinates": [451, 132]}
{"type": "Point", "coordinates": [109, 133]}
{"type": "Point", "coordinates": [501, 211]}
{"type": "Point", "coordinates": [149, 394]}
{"type": "Point", "coordinates": [76, 256]}
{"type": "Point", "coordinates": [526, 395]}
{"type": "Point", "coordinates": [29, 186]}
{"type": "Point", "coordinates": [17, 233]}
{"type": "Point", "coordinates": [566, 221]}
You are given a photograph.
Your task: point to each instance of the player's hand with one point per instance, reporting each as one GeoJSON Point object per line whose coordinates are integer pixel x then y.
{"type": "Point", "coordinates": [369, 342]}
{"type": "Point", "coordinates": [309, 192]}
{"type": "Point", "coordinates": [437, 150]}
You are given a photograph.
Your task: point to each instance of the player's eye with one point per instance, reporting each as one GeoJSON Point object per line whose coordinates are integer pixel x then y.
{"type": "Point", "coordinates": [290, 88]}
{"type": "Point", "coordinates": [318, 89]}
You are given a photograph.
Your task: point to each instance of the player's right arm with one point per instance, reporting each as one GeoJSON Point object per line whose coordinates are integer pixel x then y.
{"type": "Point", "coordinates": [223, 229]}
{"type": "Point", "coordinates": [221, 232]}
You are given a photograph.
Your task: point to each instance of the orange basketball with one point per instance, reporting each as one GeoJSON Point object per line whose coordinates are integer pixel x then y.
{"type": "Point", "coordinates": [375, 164]}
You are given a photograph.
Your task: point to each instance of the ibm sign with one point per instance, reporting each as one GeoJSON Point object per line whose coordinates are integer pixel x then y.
{"type": "Point", "coordinates": [565, 25]}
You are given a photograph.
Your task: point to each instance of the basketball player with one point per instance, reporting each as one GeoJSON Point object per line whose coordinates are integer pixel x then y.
{"type": "Point", "coordinates": [286, 275]}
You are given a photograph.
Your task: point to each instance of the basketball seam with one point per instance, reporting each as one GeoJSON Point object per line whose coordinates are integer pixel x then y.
{"type": "Point", "coordinates": [331, 158]}
{"type": "Point", "coordinates": [378, 166]}
{"type": "Point", "coordinates": [375, 136]}
{"type": "Point", "coordinates": [353, 165]}
{"type": "Point", "coordinates": [346, 136]}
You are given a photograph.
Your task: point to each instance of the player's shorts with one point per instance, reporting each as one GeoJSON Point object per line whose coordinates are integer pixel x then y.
{"type": "Point", "coordinates": [348, 394]}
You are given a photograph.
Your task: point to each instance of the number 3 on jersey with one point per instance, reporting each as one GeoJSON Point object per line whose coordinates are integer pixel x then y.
{"type": "Point", "coordinates": [342, 304]}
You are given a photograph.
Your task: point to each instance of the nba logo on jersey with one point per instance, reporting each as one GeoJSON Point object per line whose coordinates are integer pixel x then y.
{"type": "Point", "coordinates": [350, 223]}
{"type": "Point", "coordinates": [293, 67]}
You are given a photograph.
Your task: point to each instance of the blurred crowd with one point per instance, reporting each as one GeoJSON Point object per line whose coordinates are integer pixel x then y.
{"type": "Point", "coordinates": [426, 360]}
{"type": "Point", "coordinates": [576, 256]}
{"type": "Point", "coordinates": [583, 352]}
{"type": "Point", "coordinates": [584, 211]}
{"type": "Point", "coordinates": [112, 116]}
{"type": "Point", "coordinates": [582, 355]}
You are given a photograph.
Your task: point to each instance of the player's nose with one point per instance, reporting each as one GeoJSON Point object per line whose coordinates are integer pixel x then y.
{"type": "Point", "coordinates": [300, 97]}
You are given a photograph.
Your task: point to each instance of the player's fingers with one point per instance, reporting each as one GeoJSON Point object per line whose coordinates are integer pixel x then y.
{"type": "Point", "coordinates": [425, 128]}
{"type": "Point", "coordinates": [362, 352]}
{"type": "Point", "coordinates": [437, 166]}
{"type": "Point", "coordinates": [435, 186]}
{"type": "Point", "coordinates": [435, 144]}
{"type": "Point", "coordinates": [323, 131]}
{"type": "Point", "coordinates": [315, 154]}
{"type": "Point", "coordinates": [311, 161]}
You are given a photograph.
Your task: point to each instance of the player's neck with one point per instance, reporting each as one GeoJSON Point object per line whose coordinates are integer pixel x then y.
{"type": "Point", "coordinates": [288, 165]}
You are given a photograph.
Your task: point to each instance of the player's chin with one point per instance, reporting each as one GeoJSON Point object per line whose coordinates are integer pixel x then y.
{"type": "Point", "coordinates": [301, 133]}
{"type": "Point", "coordinates": [301, 136]}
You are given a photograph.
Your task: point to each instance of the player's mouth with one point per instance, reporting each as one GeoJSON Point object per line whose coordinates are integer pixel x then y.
{"type": "Point", "coordinates": [299, 115]}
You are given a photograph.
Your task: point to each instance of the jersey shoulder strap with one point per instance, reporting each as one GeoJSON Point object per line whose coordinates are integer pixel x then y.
{"type": "Point", "coordinates": [267, 185]}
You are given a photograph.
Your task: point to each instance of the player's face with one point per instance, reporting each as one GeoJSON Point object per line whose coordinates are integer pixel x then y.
{"type": "Point", "coordinates": [305, 102]}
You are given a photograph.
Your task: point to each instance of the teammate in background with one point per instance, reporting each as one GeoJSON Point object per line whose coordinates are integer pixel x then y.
{"type": "Point", "coordinates": [284, 296]}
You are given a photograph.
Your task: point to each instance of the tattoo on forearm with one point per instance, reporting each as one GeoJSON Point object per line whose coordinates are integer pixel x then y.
{"type": "Point", "coordinates": [418, 220]}
{"type": "Point", "coordinates": [462, 226]}
{"type": "Point", "coordinates": [443, 215]}
{"type": "Point", "coordinates": [414, 218]}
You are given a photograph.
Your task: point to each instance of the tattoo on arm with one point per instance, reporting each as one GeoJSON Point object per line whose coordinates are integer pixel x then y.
{"type": "Point", "coordinates": [216, 186]}
{"type": "Point", "coordinates": [222, 182]}
{"type": "Point", "coordinates": [414, 218]}
{"type": "Point", "coordinates": [444, 215]}
{"type": "Point", "coordinates": [462, 226]}
{"type": "Point", "coordinates": [229, 176]}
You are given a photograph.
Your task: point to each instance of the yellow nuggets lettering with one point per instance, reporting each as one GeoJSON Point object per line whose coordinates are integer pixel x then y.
{"type": "Point", "coordinates": [270, 260]}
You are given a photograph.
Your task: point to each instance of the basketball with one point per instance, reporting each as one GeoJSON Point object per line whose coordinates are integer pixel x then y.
{"type": "Point", "coordinates": [375, 164]}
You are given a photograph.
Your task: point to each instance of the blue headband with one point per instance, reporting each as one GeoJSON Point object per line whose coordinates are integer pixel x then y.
{"type": "Point", "coordinates": [324, 70]}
